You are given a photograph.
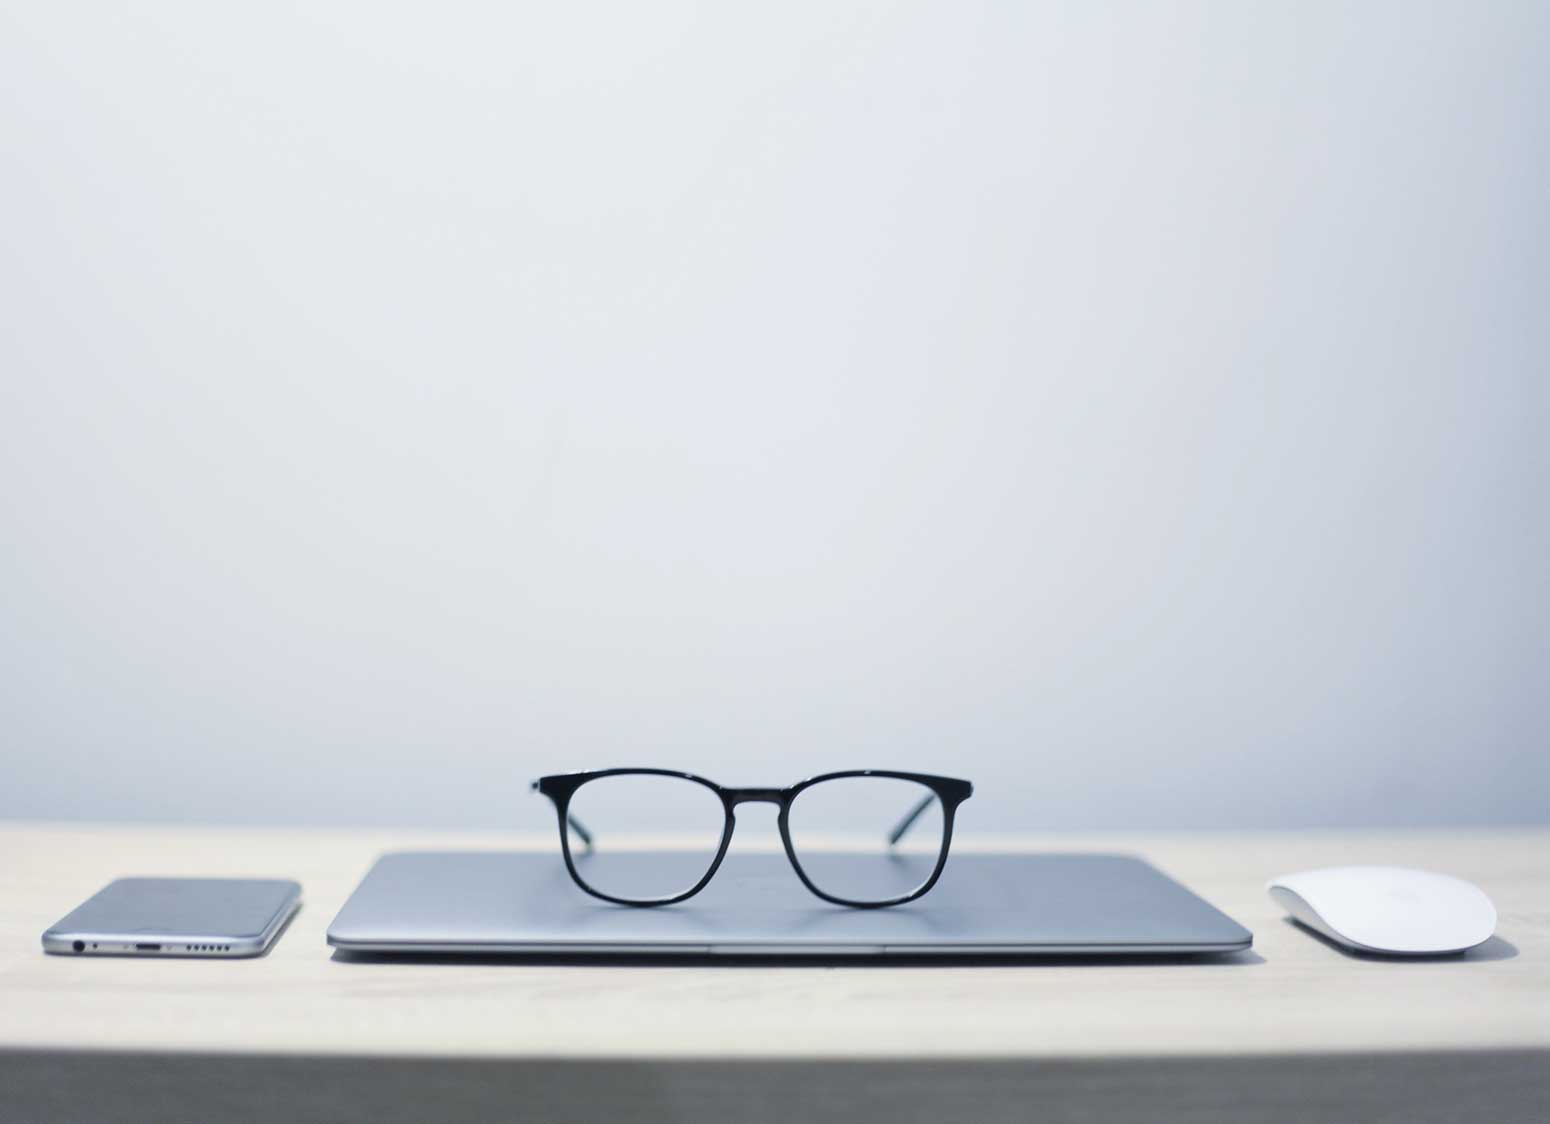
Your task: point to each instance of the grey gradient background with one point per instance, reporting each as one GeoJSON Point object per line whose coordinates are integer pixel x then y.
{"type": "Point", "coordinates": [1139, 409]}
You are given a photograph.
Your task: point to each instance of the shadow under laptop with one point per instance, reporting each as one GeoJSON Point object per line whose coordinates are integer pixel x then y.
{"type": "Point", "coordinates": [1244, 958]}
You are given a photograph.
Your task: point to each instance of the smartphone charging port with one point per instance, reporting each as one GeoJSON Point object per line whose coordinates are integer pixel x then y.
{"type": "Point", "coordinates": [147, 948]}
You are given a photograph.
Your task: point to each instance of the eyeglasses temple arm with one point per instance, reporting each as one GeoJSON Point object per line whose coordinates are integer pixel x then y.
{"type": "Point", "coordinates": [908, 821]}
{"type": "Point", "coordinates": [575, 824]}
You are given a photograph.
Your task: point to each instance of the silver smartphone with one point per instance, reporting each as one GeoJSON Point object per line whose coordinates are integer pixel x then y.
{"type": "Point", "coordinates": [200, 917]}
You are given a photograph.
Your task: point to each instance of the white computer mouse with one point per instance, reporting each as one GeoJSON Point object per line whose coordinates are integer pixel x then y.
{"type": "Point", "coordinates": [1388, 909]}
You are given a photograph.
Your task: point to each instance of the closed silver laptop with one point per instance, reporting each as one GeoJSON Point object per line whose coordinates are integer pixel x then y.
{"type": "Point", "coordinates": [985, 905]}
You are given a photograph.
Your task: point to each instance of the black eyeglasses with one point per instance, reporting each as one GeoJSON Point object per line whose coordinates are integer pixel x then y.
{"type": "Point", "coordinates": [597, 808]}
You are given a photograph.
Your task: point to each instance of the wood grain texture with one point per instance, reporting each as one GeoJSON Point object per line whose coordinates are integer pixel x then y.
{"type": "Point", "coordinates": [1293, 996]}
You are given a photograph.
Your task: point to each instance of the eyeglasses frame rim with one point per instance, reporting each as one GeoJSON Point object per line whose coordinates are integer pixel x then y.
{"type": "Point", "coordinates": [561, 787]}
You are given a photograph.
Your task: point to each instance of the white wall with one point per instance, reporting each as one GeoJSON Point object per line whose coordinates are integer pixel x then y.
{"type": "Point", "coordinates": [1138, 409]}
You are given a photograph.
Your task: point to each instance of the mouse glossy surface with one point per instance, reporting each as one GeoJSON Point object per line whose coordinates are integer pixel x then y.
{"type": "Point", "coordinates": [1388, 909]}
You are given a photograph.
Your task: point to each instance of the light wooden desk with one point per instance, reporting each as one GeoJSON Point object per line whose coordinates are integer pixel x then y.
{"type": "Point", "coordinates": [1295, 1029]}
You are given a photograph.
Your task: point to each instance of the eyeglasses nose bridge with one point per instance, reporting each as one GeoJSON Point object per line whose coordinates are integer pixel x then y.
{"type": "Point", "coordinates": [738, 796]}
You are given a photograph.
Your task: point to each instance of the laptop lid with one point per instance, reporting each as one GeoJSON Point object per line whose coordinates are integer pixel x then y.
{"type": "Point", "coordinates": [985, 904]}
